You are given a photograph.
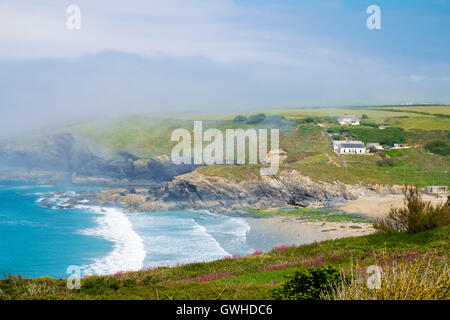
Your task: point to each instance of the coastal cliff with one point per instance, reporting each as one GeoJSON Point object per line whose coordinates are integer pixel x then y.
{"type": "Point", "coordinates": [198, 191]}
{"type": "Point", "coordinates": [159, 184]}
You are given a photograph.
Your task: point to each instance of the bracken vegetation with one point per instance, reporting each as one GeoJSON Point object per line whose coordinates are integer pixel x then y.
{"type": "Point", "coordinates": [438, 147]}
{"type": "Point", "coordinates": [425, 278]}
{"type": "Point", "coordinates": [416, 216]}
{"type": "Point", "coordinates": [308, 284]}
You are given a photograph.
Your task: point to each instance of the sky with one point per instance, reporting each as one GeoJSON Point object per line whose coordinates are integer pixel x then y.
{"type": "Point", "coordinates": [160, 56]}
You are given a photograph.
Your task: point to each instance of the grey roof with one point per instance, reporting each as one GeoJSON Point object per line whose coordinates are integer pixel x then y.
{"type": "Point", "coordinates": [351, 145]}
{"type": "Point", "coordinates": [349, 117]}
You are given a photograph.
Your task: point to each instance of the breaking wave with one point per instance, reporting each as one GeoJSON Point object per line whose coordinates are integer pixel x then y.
{"type": "Point", "coordinates": [128, 251]}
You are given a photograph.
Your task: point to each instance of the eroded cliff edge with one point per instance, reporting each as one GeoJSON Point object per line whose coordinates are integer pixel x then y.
{"type": "Point", "coordinates": [198, 191]}
{"type": "Point", "coordinates": [158, 184]}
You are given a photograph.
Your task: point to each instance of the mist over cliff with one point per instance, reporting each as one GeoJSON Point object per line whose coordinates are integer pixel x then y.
{"type": "Point", "coordinates": [41, 92]}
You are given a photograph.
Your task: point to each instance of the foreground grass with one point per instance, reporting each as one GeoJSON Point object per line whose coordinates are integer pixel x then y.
{"type": "Point", "coordinates": [420, 278]}
{"type": "Point", "coordinates": [252, 277]}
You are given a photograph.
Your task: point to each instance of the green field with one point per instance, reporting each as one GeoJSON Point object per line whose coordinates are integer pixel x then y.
{"type": "Point", "coordinates": [251, 277]}
{"type": "Point", "coordinates": [415, 166]}
{"type": "Point", "coordinates": [410, 117]}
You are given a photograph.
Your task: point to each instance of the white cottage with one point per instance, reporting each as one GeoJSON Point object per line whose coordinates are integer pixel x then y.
{"type": "Point", "coordinates": [349, 120]}
{"type": "Point", "coordinates": [349, 147]}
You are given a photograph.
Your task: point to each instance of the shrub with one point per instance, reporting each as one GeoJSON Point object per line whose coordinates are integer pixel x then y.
{"type": "Point", "coordinates": [393, 153]}
{"type": "Point", "coordinates": [373, 149]}
{"type": "Point", "coordinates": [99, 285]}
{"type": "Point", "coordinates": [239, 118]}
{"type": "Point", "coordinates": [370, 124]}
{"type": "Point", "coordinates": [417, 215]}
{"type": "Point", "coordinates": [310, 120]}
{"type": "Point", "coordinates": [438, 147]}
{"type": "Point", "coordinates": [256, 118]}
{"type": "Point", "coordinates": [386, 162]}
{"type": "Point", "coordinates": [364, 116]}
{"type": "Point", "coordinates": [421, 279]}
{"type": "Point", "coordinates": [387, 140]}
{"type": "Point", "coordinates": [308, 284]}
{"type": "Point", "coordinates": [276, 120]}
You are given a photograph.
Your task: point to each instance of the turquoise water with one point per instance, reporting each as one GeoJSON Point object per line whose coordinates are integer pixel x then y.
{"type": "Point", "coordinates": [44, 241]}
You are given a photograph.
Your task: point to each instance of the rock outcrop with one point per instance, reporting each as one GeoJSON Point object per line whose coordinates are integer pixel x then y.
{"type": "Point", "coordinates": [159, 184]}
{"type": "Point", "coordinates": [217, 194]}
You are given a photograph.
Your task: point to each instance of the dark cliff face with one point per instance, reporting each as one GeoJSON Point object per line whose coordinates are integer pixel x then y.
{"type": "Point", "coordinates": [195, 190]}
{"type": "Point", "coordinates": [65, 160]}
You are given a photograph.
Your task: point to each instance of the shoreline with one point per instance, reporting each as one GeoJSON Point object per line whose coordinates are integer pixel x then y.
{"type": "Point", "coordinates": [267, 233]}
{"type": "Point", "coordinates": [291, 230]}
{"type": "Point", "coordinates": [375, 207]}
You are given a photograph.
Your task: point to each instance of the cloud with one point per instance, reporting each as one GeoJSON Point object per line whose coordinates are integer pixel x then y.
{"type": "Point", "coordinates": [153, 56]}
{"type": "Point", "coordinates": [417, 78]}
{"type": "Point", "coordinates": [220, 30]}
{"type": "Point", "coordinates": [214, 29]}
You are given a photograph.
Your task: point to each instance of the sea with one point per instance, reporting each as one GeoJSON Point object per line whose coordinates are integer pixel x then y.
{"type": "Point", "coordinates": [39, 240]}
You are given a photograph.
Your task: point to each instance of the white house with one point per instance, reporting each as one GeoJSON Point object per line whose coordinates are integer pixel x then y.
{"type": "Point", "coordinates": [348, 147]}
{"type": "Point", "coordinates": [349, 119]}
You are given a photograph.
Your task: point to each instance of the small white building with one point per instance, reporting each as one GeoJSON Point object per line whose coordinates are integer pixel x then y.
{"type": "Point", "coordinates": [436, 189]}
{"type": "Point", "coordinates": [349, 147]}
{"type": "Point", "coordinates": [376, 145]}
{"type": "Point", "coordinates": [349, 120]}
{"type": "Point", "coordinates": [400, 146]}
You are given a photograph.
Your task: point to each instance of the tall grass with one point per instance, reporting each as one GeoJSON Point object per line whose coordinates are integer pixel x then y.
{"type": "Point", "coordinates": [416, 216]}
{"type": "Point", "coordinates": [422, 279]}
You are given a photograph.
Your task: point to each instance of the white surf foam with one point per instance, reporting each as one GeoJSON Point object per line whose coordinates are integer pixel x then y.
{"type": "Point", "coordinates": [171, 239]}
{"type": "Point", "coordinates": [231, 232]}
{"type": "Point", "coordinates": [128, 252]}
{"type": "Point", "coordinates": [60, 199]}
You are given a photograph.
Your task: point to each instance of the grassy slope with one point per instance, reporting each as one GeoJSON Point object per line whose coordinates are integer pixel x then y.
{"type": "Point", "coordinates": [252, 277]}
{"type": "Point", "coordinates": [415, 166]}
{"type": "Point", "coordinates": [309, 151]}
{"type": "Point", "coordinates": [308, 146]}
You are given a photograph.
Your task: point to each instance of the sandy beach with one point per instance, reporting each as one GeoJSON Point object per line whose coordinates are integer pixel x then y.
{"type": "Point", "coordinates": [266, 233]}
{"type": "Point", "coordinates": [379, 206]}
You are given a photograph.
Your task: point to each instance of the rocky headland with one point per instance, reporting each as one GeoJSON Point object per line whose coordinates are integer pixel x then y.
{"type": "Point", "coordinates": [158, 184]}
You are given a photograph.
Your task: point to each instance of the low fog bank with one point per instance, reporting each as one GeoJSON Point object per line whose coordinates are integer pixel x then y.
{"type": "Point", "coordinates": [35, 93]}
{"type": "Point", "coordinates": [65, 159]}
